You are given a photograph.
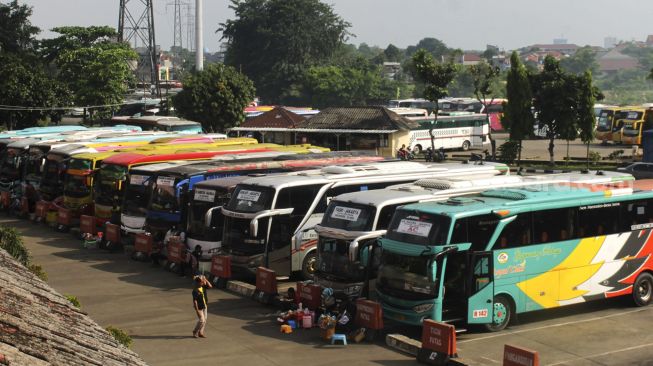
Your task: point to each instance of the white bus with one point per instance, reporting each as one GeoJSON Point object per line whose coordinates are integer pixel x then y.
{"type": "Point", "coordinates": [347, 252]}
{"type": "Point", "coordinates": [415, 114]}
{"type": "Point", "coordinates": [451, 132]}
{"type": "Point", "coordinates": [269, 221]}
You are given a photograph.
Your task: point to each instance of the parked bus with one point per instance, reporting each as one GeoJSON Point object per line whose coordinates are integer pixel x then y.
{"type": "Point", "coordinates": [270, 221]}
{"type": "Point", "coordinates": [452, 132]}
{"type": "Point", "coordinates": [161, 123]}
{"type": "Point", "coordinates": [415, 114]}
{"type": "Point", "coordinates": [636, 122]}
{"type": "Point", "coordinates": [626, 116]}
{"type": "Point", "coordinates": [484, 258]}
{"type": "Point", "coordinates": [607, 123]}
{"type": "Point", "coordinates": [495, 109]}
{"type": "Point", "coordinates": [412, 103]}
{"type": "Point", "coordinates": [40, 131]}
{"type": "Point", "coordinates": [347, 246]}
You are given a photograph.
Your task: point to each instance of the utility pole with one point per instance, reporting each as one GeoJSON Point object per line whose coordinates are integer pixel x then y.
{"type": "Point", "coordinates": [136, 22]}
{"type": "Point", "coordinates": [177, 34]}
{"type": "Point", "coordinates": [199, 41]}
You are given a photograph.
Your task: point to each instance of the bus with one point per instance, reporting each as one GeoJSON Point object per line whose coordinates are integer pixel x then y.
{"type": "Point", "coordinates": [481, 259]}
{"type": "Point", "coordinates": [161, 123]}
{"type": "Point", "coordinates": [636, 122]}
{"type": "Point", "coordinates": [347, 247]}
{"type": "Point", "coordinates": [30, 131]}
{"type": "Point", "coordinates": [451, 132]}
{"type": "Point", "coordinates": [415, 114]}
{"type": "Point", "coordinates": [204, 222]}
{"type": "Point", "coordinates": [607, 123]}
{"type": "Point", "coordinates": [495, 111]}
{"type": "Point", "coordinates": [412, 103]}
{"type": "Point", "coordinates": [270, 220]}
{"type": "Point", "coordinates": [627, 116]}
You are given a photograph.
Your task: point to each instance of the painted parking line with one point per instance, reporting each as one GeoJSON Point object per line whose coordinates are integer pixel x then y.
{"type": "Point", "coordinates": [588, 358]}
{"type": "Point", "coordinates": [508, 333]}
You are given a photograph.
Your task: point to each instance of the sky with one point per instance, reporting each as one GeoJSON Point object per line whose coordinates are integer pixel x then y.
{"type": "Point", "coordinates": [465, 24]}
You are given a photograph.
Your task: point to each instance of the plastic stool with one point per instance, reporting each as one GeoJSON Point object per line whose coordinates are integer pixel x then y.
{"type": "Point", "coordinates": [339, 337]}
{"type": "Point", "coordinates": [292, 324]}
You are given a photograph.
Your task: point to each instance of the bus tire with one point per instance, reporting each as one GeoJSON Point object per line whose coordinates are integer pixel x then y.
{"type": "Point", "coordinates": [501, 313]}
{"type": "Point", "coordinates": [466, 145]}
{"type": "Point", "coordinates": [643, 289]}
{"type": "Point", "coordinates": [309, 265]}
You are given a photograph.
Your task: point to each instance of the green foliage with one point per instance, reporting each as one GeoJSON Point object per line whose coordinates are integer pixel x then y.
{"type": "Point", "coordinates": [274, 41]}
{"type": "Point", "coordinates": [517, 116]}
{"type": "Point", "coordinates": [583, 60]}
{"type": "Point", "coordinates": [16, 31]}
{"type": "Point", "coordinates": [215, 96]}
{"type": "Point", "coordinates": [434, 46]}
{"type": "Point", "coordinates": [38, 271]}
{"type": "Point", "coordinates": [120, 336]}
{"type": "Point", "coordinates": [587, 96]}
{"type": "Point", "coordinates": [90, 64]}
{"type": "Point", "coordinates": [508, 151]}
{"type": "Point", "coordinates": [11, 242]}
{"type": "Point", "coordinates": [435, 76]}
{"type": "Point", "coordinates": [616, 155]}
{"type": "Point", "coordinates": [594, 157]}
{"type": "Point", "coordinates": [73, 300]}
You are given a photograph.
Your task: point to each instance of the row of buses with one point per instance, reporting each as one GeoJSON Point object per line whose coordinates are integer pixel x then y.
{"type": "Point", "coordinates": [454, 242]}
{"type": "Point", "coordinates": [624, 125]}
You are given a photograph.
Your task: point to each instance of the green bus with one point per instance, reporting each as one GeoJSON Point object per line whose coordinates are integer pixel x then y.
{"type": "Point", "coordinates": [481, 259]}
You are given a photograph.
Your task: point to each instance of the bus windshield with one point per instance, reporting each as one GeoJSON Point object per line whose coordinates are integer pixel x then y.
{"type": "Point", "coordinates": [407, 277]}
{"type": "Point", "coordinates": [75, 186]}
{"type": "Point", "coordinates": [251, 199]}
{"type": "Point", "coordinates": [419, 228]}
{"type": "Point", "coordinates": [631, 129]}
{"type": "Point", "coordinates": [136, 193]}
{"type": "Point", "coordinates": [605, 121]}
{"type": "Point", "coordinates": [334, 260]}
{"type": "Point", "coordinates": [349, 216]}
{"type": "Point", "coordinates": [203, 200]}
{"type": "Point", "coordinates": [164, 196]}
{"type": "Point", "coordinates": [80, 164]}
{"type": "Point", "coordinates": [107, 187]}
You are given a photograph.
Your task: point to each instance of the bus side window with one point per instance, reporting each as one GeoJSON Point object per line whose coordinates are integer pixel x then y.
{"type": "Point", "coordinates": [635, 213]}
{"type": "Point", "coordinates": [554, 225]}
{"type": "Point", "coordinates": [598, 221]}
{"type": "Point", "coordinates": [517, 233]}
{"type": "Point", "coordinates": [480, 230]}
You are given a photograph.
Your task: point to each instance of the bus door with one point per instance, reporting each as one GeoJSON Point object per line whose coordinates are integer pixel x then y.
{"type": "Point", "coordinates": [480, 288]}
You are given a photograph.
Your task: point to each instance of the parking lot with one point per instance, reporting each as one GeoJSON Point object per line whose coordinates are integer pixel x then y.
{"type": "Point", "coordinates": [154, 307]}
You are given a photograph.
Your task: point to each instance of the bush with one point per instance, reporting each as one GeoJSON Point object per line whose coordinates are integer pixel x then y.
{"type": "Point", "coordinates": [11, 241]}
{"type": "Point", "coordinates": [120, 336]}
{"type": "Point", "coordinates": [594, 157]}
{"type": "Point", "coordinates": [38, 271]}
{"type": "Point", "coordinates": [508, 151]}
{"type": "Point", "coordinates": [73, 300]}
{"type": "Point", "coordinates": [616, 155]}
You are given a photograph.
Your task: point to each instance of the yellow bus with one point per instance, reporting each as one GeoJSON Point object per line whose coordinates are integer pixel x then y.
{"type": "Point", "coordinates": [637, 121]}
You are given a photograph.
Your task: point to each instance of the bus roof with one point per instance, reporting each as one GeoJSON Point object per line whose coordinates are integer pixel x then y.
{"type": "Point", "coordinates": [222, 183]}
{"type": "Point", "coordinates": [134, 158]}
{"type": "Point", "coordinates": [507, 202]}
{"type": "Point", "coordinates": [348, 172]}
{"type": "Point", "coordinates": [94, 156]}
{"type": "Point", "coordinates": [431, 188]}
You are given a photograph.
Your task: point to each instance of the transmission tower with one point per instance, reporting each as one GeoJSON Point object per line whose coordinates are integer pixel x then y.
{"type": "Point", "coordinates": [178, 34]}
{"type": "Point", "coordinates": [190, 26]}
{"type": "Point", "coordinates": [136, 25]}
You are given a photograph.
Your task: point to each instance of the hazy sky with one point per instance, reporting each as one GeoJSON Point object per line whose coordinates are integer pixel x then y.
{"type": "Point", "coordinates": [466, 24]}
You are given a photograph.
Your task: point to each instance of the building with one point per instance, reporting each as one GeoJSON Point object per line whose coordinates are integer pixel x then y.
{"type": "Point", "coordinates": [374, 128]}
{"type": "Point", "coordinates": [563, 48]}
{"type": "Point", "coordinates": [613, 61]}
{"type": "Point", "coordinates": [38, 326]}
{"type": "Point", "coordinates": [609, 42]}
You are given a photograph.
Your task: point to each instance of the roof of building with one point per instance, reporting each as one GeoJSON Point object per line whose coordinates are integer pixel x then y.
{"type": "Point", "coordinates": [562, 46]}
{"type": "Point", "coordinates": [38, 326]}
{"type": "Point", "coordinates": [649, 39]}
{"type": "Point", "coordinates": [358, 118]}
{"type": "Point", "coordinates": [278, 117]}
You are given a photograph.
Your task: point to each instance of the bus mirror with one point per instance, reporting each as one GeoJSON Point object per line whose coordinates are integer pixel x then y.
{"type": "Point", "coordinates": [461, 247]}
{"type": "Point", "coordinates": [208, 218]}
{"type": "Point", "coordinates": [434, 270]}
{"type": "Point", "coordinates": [89, 180]}
{"type": "Point", "coordinates": [253, 225]}
{"type": "Point", "coordinates": [365, 256]}
{"type": "Point", "coordinates": [356, 243]}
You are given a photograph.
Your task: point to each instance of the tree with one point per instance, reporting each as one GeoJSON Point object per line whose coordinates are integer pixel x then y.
{"type": "Point", "coordinates": [216, 97]}
{"type": "Point", "coordinates": [485, 77]}
{"type": "Point", "coordinates": [517, 115]}
{"type": "Point", "coordinates": [274, 41]}
{"type": "Point", "coordinates": [393, 54]}
{"type": "Point", "coordinates": [589, 94]}
{"type": "Point", "coordinates": [434, 46]}
{"type": "Point", "coordinates": [436, 77]}
{"type": "Point", "coordinates": [91, 64]}
{"type": "Point", "coordinates": [555, 96]}
{"type": "Point", "coordinates": [16, 31]}
{"type": "Point", "coordinates": [584, 59]}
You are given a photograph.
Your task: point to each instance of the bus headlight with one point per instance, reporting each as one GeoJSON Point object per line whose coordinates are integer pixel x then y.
{"type": "Point", "coordinates": [352, 290]}
{"type": "Point", "coordinates": [422, 308]}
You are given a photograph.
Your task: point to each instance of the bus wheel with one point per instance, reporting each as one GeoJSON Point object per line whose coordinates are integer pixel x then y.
{"type": "Point", "coordinates": [309, 265]}
{"type": "Point", "coordinates": [643, 289]}
{"type": "Point", "coordinates": [501, 314]}
{"type": "Point", "coordinates": [466, 145]}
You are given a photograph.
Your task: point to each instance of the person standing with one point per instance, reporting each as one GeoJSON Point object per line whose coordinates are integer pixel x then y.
{"type": "Point", "coordinates": [200, 303]}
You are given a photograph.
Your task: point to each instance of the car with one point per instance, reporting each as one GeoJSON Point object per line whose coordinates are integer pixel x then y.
{"type": "Point", "coordinates": [639, 170]}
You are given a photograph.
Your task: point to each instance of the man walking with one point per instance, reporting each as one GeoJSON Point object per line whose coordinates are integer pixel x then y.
{"type": "Point", "coordinates": [200, 303]}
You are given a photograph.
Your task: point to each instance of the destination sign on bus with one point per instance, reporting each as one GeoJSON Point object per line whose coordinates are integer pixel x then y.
{"type": "Point", "coordinates": [632, 115]}
{"type": "Point", "coordinates": [204, 195]}
{"type": "Point", "coordinates": [137, 179]}
{"type": "Point", "coordinates": [246, 195]}
{"type": "Point", "coordinates": [413, 227]}
{"type": "Point", "coordinates": [165, 181]}
{"type": "Point", "coordinates": [346, 213]}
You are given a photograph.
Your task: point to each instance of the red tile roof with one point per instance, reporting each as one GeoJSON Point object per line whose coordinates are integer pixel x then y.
{"type": "Point", "coordinates": [278, 117]}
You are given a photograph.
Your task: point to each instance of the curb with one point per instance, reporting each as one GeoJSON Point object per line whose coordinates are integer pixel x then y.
{"type": "Point", "coordinates": [411, 347]}
{"type": "Point", "coordinates": [241, 288]}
